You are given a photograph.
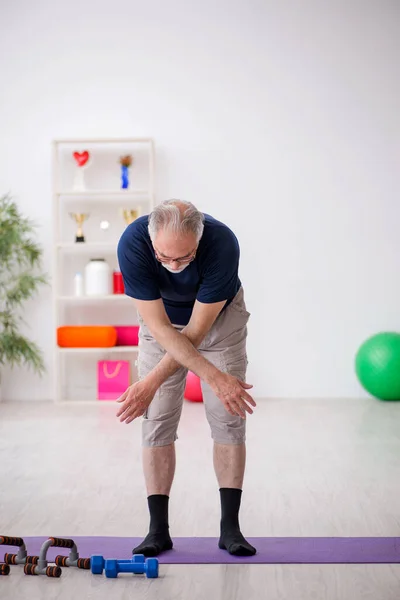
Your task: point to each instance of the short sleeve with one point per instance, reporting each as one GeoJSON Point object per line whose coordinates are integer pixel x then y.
{"type": "Point", "coordinates": [137, 266]}
{"type": "Point", "coordinates": [220, 270]}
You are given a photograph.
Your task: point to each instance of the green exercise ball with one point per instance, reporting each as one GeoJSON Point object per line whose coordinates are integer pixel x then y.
{"type": "Point", "coordinates": [378, 366]}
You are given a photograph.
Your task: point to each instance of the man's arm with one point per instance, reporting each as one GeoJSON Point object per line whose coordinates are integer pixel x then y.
{"type": "Point", "coordinates": [229, 389]}
{"type": "Point", "coordinates": [181, 350]}
{"type": "Point", "coordinates": [202, 319]}
{"type": "Point", "coordinates": [180, 347]}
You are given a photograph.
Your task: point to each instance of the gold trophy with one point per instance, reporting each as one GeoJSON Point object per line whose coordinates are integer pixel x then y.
{"type": "Point", "coordinates": [79, 218]}
{"type": "Point", "coordinates": [130, 215]}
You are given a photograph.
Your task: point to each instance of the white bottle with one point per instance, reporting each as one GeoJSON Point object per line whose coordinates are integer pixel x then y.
{"type": "Point", "coordinates": [97, 278]}
{"type": "Point", "coordinates": [78, 284]}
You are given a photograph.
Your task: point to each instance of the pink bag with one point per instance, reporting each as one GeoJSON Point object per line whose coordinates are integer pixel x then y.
{"type": "Point", "coordinates": [113, 378]}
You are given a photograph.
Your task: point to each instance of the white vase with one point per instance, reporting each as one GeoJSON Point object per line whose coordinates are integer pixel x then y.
{"type": "Point", "coordinates": [79, 180]}
{"type": "Point", "coordinates": [97, 278]}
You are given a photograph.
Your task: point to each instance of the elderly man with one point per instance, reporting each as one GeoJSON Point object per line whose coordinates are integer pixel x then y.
{"type": "Point", "coordinates": [181, 268]}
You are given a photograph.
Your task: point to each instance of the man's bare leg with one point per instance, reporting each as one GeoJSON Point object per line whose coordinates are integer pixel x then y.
{"type": "Point", "coordinates": [159, 470]}
{"type": "Point", "coordinates": [229, 465]}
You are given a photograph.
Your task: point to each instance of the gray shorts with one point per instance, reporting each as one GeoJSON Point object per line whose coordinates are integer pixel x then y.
{"type": "Point", "coordinates": [225, 347]}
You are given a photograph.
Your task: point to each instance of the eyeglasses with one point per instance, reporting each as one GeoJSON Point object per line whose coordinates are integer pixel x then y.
{"type": "Point", "coordinates": [184, 260]}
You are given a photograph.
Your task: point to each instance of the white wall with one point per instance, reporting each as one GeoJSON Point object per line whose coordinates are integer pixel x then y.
{"type": "Point", "coordinates": [280, 118]}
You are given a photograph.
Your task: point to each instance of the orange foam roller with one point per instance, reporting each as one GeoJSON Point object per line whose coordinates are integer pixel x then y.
{"type": "Point", "coordinates": [86, 336]}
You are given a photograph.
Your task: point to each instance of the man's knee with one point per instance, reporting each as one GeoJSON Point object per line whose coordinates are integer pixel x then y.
{"type": "Point", "coordinates": [160, 429]}
{"type": "Point", "coordinates": [228, 431]}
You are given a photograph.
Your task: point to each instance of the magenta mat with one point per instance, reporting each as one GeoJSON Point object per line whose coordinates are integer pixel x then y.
{"type": "Point", "coordinates": [276, 550]}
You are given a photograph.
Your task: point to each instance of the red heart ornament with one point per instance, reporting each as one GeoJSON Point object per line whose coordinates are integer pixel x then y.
{"type": "Point", "coordinates": [81, 158]}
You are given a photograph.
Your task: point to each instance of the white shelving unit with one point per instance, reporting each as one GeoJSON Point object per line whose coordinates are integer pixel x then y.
{"type": "Point", "coordinates": [106, 193]}
{"type": "Point", "coordinates": [86, 247]}
{"type": "Point", "coordinates": [103, 199]}
{"type": "Point", "coordinates": [113, 350]}
{"type": "Point", "coordinates": [96, 299]}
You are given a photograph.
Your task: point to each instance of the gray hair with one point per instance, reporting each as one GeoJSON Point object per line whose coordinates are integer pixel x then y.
{"type": "Point", "coordinates": [177, 216]}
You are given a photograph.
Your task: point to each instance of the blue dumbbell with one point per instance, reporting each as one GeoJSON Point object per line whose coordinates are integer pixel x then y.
{"type": "Point", "coordinates": [97, 562]}
{"type": "Point", "coordinates": [149, 567]}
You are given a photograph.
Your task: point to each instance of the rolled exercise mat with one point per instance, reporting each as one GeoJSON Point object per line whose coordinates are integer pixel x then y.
{"type": "Point", "coordinates": [127, 335]}
{"type": "Point", "coordinates": [86, 336]}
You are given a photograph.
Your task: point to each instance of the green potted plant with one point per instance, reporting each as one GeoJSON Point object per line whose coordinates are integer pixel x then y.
{"type": "Point", "coordinates": [20, 278]}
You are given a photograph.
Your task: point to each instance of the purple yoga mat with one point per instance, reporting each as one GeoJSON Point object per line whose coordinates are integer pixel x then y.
{"type": "Point", "coordinates": [287, 550]}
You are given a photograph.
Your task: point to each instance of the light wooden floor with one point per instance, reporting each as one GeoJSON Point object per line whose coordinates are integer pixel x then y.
{"type": "Point", "coordinates": [315, 468]}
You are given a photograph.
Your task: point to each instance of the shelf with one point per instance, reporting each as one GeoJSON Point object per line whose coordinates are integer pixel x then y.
{"type": "Point", "coordinates": [105, 141]}
{"type": "Point", "coordinates": [83, 402]}
{"type": "Point", "coordinates": [79, 299]}
{"type": "Point", "coordinates": [111, 349]}
{"type": "Point", "coordinates": [98, 193]}
{"type": "Point", "coordinates": [83, 247]}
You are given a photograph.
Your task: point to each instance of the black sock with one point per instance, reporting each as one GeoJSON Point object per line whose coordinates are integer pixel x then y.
{"type": "Point", "coordinates": [158, 538]}
{"type": "Point", "coordinates": [231, 537]}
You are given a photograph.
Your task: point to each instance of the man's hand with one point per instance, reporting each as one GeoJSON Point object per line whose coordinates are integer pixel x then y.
{"type": "Point", "coordinates": [232, 393]}
{"type": "Point", "coordinates": [136, 400]}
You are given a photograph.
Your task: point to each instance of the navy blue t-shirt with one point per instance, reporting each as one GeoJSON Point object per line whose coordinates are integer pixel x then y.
{"type": "Point", "coordinates": [211, 277]}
